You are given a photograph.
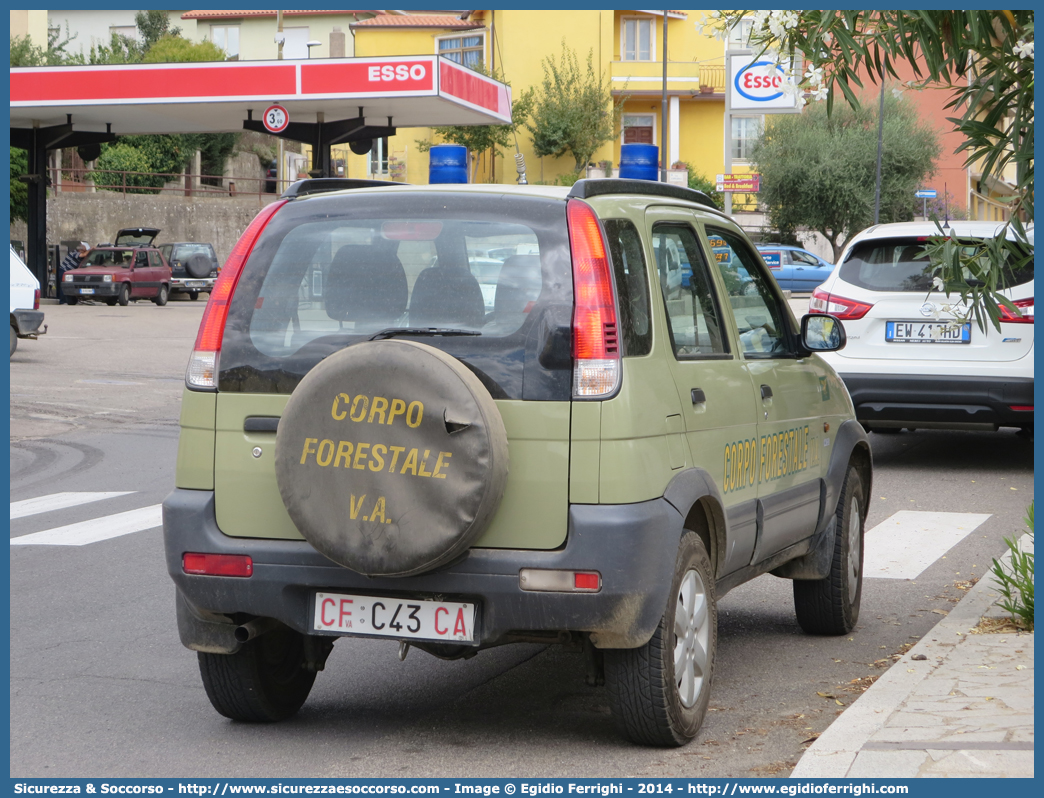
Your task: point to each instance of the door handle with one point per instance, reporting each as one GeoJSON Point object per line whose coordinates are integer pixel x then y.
{"type": "Point", "coordinates": [698, 396]}
{"type": "Point", "coordinates": [766, 392]}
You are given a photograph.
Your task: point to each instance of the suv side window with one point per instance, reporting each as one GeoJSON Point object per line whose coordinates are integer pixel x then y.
{"type": "Point", "coordinates": [761, 322]}
{"type": "Point", "coordinates": [632, 285]}
{"type": "Point", "coordinates": [693, 317]}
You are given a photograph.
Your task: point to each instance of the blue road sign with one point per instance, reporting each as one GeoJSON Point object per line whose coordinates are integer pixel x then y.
{"type": "Point", "coordinates": [926, 193]}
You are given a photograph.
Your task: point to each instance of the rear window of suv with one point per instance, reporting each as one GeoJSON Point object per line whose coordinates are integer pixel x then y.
{"type": "Point", "coordinates": [892, 264]}
{"type": "Point", "coordinates": [332, 271]}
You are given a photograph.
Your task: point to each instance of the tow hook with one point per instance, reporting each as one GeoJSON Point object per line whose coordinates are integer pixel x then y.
{"type": "Point", "coordinates": [404, 649]}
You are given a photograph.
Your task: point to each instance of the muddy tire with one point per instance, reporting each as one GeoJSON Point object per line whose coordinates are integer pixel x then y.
{"type": "Point", "coordinates": [161, 297]}
{"type": "Point", "coordinates": [263, 682]}
{"type": "Point", "coordinates": [391, 458]}
{"type": "Point", "coordinates": [124, 296]}
{"type": "Point", "coordinates": [659, 693]}
{"type": "Point", "coordinates": [831, 606]}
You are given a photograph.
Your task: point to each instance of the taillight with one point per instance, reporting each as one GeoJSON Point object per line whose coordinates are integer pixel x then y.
{"type": "Point", "coordinates": [1025, 307]}
{"type": "Point", "coordinates": [596, 351]}
{"type": "Point", "coordinates": [837, 306]}
{"type": "Point", "coordinates": [202, 367]}
{"type": "Point", "coordinates": [36, 299]}
{"type": "Point", "coordinates": [217, 564]}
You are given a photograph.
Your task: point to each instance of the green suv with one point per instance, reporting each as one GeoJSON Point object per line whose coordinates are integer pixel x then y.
{"type": "Point", "coordinates": [586, 440]}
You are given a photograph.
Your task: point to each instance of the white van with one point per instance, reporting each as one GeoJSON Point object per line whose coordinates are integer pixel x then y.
{"type": "Point", "coordinates": [26, 316]}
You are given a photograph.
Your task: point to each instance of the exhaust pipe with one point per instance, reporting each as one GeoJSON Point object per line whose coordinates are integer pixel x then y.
{"type": "Point", "coordinates": [251, 629]}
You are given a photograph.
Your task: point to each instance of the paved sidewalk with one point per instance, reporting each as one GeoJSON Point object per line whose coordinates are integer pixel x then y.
{"type": "Point", "coordinates": [956, 705]}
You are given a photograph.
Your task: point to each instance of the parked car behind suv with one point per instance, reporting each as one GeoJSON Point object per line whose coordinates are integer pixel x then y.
{"type": "Point", "coordinates": [368, 451]}
{"type": "Point", "coordinates": [119, 274]}
{"type": "Point", "coordinates": [908, 362]}
{"type": "Point", "coordinates": [193, 267]}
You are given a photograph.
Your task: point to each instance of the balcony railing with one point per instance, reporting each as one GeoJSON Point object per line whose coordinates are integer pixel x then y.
{"type": "Point", "coordinates": [635, 76]}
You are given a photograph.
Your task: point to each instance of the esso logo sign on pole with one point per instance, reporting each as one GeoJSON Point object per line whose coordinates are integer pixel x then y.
{"type": "Point", "coordinates": [276, 119]}
{"type": "Point", "coordinates": [753, 83]}
{"type": "Point", "coordinates": [398, 73]}
{"type": "Point", "coordinates": [758, 85]}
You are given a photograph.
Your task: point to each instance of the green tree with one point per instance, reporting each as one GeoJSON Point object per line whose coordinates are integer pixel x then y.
{"type": "Point", "coordinates": [984, 56]}
{"type": "Point", "coordinates": [707, 186]}
{"type": "Point", "coordinates": [19, 191]}
{"type": "Point", "coordinates": [818, 169]}
{"type": "Point", "coordinates": [573, 109]}
{"type": "Point", "coordinates": [120, 50]}
{"type": "Point", "coordinates": [25, 53]}
{"type": "Point", "coordinates": [153, 26]}
{"type": "Point", "coordinates": [483, 138]}
{"type": "Point", "coordinates": [119, 157]}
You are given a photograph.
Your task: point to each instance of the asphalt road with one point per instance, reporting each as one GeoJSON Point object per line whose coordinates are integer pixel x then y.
{"type": "Point", "coordinates": [100, 685]}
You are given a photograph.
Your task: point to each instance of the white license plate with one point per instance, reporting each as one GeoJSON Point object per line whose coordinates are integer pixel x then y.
{"type": "Point", "coordinates": [86, 290]}
{"type": "Point", "coordinates": [381, 616]}
{"type": "Point", "coordinates": [194, 284]}
{"type": "Point", "coordinates": [927, 332]}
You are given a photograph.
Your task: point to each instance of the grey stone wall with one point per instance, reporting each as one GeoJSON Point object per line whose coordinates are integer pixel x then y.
{"type": "Point", "coordinates": [95, 218]}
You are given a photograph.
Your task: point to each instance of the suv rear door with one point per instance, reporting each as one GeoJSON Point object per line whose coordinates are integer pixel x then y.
{"type": "Point", "coordinates": [318, 280]}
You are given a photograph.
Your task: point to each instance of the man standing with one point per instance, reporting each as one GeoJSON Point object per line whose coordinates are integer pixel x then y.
{"type": "Point", "coordinates": [72, 261]}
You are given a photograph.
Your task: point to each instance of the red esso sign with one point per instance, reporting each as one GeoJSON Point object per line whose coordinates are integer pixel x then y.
{"type": "Point", "coordinates": [751, 81]}
{"type": "Point", "coordinates": [754, 84]}
{"type": "Point", "coordinates": [397, 73]}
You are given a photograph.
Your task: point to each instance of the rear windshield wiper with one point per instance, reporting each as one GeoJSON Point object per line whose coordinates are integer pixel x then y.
{"type": "Point", "coordinates": [392, 332]}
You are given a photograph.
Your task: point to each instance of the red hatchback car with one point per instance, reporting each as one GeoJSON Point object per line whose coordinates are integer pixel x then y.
{"type": "Point", "coordinates": [129, 270]}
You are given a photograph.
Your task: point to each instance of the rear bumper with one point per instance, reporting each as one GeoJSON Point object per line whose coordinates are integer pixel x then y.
{"type": "Point", "coordinates": [927, 401]}
{"type": "Point", "coordinates": [632, 546]}
{"type": "Point", "coordinates": [205, 284]}
{"type": "Point", "coordinates": [27, 322]}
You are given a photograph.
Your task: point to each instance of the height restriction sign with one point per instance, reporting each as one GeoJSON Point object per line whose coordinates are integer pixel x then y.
{"type": "Point", "coordinates": [276, 119]}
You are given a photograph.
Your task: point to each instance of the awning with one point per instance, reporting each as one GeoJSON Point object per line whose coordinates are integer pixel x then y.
{"type": "Point", "coordinates": [213, 97]}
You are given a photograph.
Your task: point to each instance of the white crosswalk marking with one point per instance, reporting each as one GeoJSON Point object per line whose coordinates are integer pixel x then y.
{"type": "Point", "coordinates": [904, 545]}
{"type": "Point", "coordinates": [85, 532]}
{"type": "Point", "coordinates": [59, 501]}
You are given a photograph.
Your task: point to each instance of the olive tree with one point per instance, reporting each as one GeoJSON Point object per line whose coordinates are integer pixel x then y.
{"type": "Point", "coordinates": [818, 170]}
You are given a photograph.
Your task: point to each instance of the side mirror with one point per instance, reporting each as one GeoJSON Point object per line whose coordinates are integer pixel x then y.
{"type": "Point", "coordinates": [822, 333]}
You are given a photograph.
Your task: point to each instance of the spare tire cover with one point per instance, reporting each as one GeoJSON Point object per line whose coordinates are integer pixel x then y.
{"type": "Point", "coordinates": [391, 458]}
{"type": "Point", "coordinates": [198, 265]}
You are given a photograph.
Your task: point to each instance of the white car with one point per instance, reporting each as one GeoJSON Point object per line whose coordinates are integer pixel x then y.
{"type": "Point", "coordinates": [907, 362]}
{"type": "Point", "coordinates": [26, 316]}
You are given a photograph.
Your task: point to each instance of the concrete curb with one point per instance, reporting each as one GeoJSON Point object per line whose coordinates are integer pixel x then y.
{"type": "Point", "coordinates": [835, 752]}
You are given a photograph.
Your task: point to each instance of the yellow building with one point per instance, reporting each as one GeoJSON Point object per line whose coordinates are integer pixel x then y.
{"type": "Point", "coordinates": [627, 48]}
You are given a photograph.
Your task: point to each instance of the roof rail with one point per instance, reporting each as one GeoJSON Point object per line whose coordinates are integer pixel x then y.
{"type": "Point", "coordinates": [597, 187]}
{"type": "Point", "coordinates": [319, 185]}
